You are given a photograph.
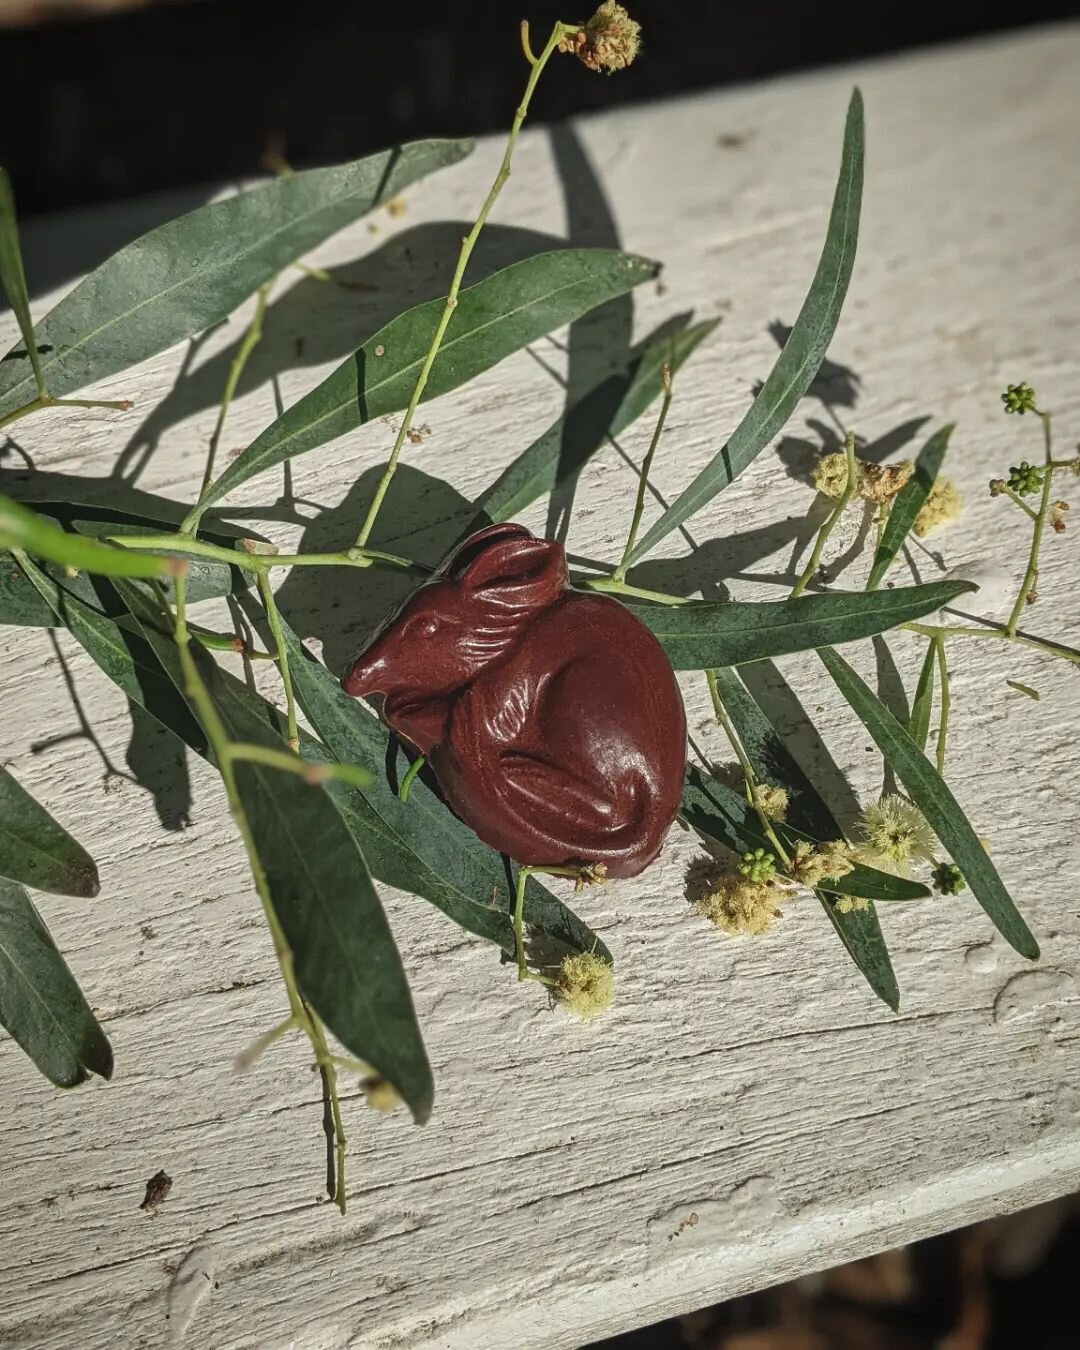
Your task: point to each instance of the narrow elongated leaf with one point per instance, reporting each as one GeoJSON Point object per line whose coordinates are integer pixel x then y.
{"type": "Point", "coordinates": [930, 793]}
{"type": "Point", "coordinates": [124, 656]}
{"type": "Point", "coordinates": [494, 318]}
{"type": "Point", "coordinates": [24, 529]}
{"type": "Point", "coordinates": [419, 845]}
{"type": "Point", "coordinates": [907, 504]}
{"type": "Point", "coordinates": [713, 811]}
{"type": "Point", "coordinates": [922, 705]}
{"type": "Point", "coordinates": [36, 850]}
{"type": "Point", "coordinates": [605, 411]}
{"type": "Point", "coordinates": [41, 1005]}
{"type": "Point", "coordinates": [190, 273]}
{"type": "Point", "coordinates": [803, 353]}
{"type": "Point", "coordinates": [12, 278]}
{"type": "Point", "coordinates": [708, 633]}
{"type": "Point", "coordinates": [344, 954]}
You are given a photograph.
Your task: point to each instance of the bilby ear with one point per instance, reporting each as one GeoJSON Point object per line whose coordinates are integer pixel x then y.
{"type": "Point", "coordinates": [456, 563]}
{"type": "Point", "coordinates": [517, 572]}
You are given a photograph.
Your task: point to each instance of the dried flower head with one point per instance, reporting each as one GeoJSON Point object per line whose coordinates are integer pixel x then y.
{"type": "Point", "coordinates": [591, 874]}
{"type": "Point", "coordinates": [738, 906]}
{"type": "Point", "coordinates": [881, 482]}
{"type": "Point", "coordinates": [380, 1095]}
{"type": "Point", "coordinates": [894, 833]}
{"type": "Point", "coordinates": [585, 984]}
{"type": "Point", "coordinates": [942, 505]}
{"type": "Point", "coordinates": [1025, 478]}
{"type": "Point", "coordinates": [1057, 516]}
{"type": "Point", "coordinates": [948, 879]}
{"type": "Point", "coordinates": [771, 801]}
{"type": "Point", "coordinates": [812, 864]}
{"type": "Point", "coordinates": [851, 904]}
{"type": "Point", "coordinates": [830, 474]}
{"type": "Point", "coordinates": [1019, 398]}
{"type": "Point", "coordinates": [609, 41]}
{"type": "Point", "coordinates": [997, 486]}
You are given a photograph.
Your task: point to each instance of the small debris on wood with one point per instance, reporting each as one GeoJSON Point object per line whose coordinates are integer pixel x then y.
{"type": "Point", "coordinates": [157, 1190]}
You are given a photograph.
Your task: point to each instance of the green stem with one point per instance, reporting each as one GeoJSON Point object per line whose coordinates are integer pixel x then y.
{"type": "Point", "coordinates": [623, 588]}
{"type": "Point", "coordinates": [247, 1058]}
{"type": "Point", "coordinates": [524, 873]}
{"type": "Point", "coordinates": [224, 756]}
{"type": "Point", "coordinates": [311, 771]}
{"type": "Point", "coordinates": [47, 401]}
{"type": "Point", "coordinates": [1039, 644]}
{"type": "Point", "coordinates": [328, 1073]}
{"type": "Point", "coordinates": [273, 618]}
{"type": "Point", "coordinates": [1032, 572]}
{"type": "Point", "coordinates": [407, 782]}
{"type": "Point", "coordinates": [943, 688]}
{"type": "Point", "coordinates": [837, 511]}
{"type": "Point", "coordinates": [880, 521]}
{"type": "Point", "coordinates": [1019, 501]}
{"type": "Point", "coordinates": [750, 777]}
{"type": "Point", "coordinates": [185, 546]}
{"type": "Point", "coordinates": [619, 575]}
{"type": "Point", "coordinates": [251, 339]}
{"type": "Point", "coordinates": [467, 246]}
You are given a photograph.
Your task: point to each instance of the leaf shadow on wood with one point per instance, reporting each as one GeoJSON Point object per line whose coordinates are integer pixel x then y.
{"type": "Point", "coordinates": [318, 322]}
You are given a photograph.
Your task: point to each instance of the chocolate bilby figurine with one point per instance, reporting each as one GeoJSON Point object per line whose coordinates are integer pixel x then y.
{"type": "Point", "coordinates": [550, 717]}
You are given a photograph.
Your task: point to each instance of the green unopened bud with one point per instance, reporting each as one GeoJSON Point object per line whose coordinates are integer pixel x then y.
{"type": "Point", "coordinates": [1019, 398]}
{"type": "Point", "coordinates": [948, 879]}
{"type": "Point", "coordinates": [1025, 478]}
{"type": "Point", "coordinates": [758, 865]}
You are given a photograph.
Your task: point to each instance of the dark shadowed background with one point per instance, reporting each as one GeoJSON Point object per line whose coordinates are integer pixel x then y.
{"type": "Point", "coordinates": [183, 92]}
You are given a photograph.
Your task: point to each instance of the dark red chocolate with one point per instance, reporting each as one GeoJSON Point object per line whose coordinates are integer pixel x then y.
{"type": "Point", "coordinates": [550, 717]}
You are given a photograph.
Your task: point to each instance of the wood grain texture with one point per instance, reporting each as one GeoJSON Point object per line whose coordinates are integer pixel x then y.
{"type": "Point", "coordinates": [747, 1111]}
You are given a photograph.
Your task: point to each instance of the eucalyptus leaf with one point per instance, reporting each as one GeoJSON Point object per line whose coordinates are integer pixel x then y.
{"type": "Point", "coordinates": [192, 272]}
{"type": "Point", "coordinates": [602, 413]}
{"type": "Point", "coordinates": [420, 846]}
{"type": "Point", "coordinates": [799, 362]}
{"type": "Point", "coordinates": [36, 850]}
{"type": "Point", "coordinates": [907, 504]}
{"type": "Point", "coordinates": [922, 705]}
{"type": "Point", "coordinates": [41, 1004]}
{"type": "Point", "coordinates": [709, 633]}
{"type": "Point", "coordinates": [21, 528]}
{"type": "Point", "coordinates": [344, 955]}
{"type": "Point", "coordinates": [494, 318]}
{"type": "Point", "coordinates": [12, 278]}
{"type": "Point", "coordinates": [124, 656]}
{"type": "Point", "coordinates": [930, 793]}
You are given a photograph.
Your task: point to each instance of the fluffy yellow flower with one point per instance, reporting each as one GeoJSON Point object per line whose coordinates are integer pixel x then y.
{"type": "Point", "coordinates": [609, 41]}
{"type": "Point", "coordinates": [830, 474]}
{"type": "Point", "coordinates": [894, 833]}
{"type": "Point", "coordinates": [881, 482]}
{"type": "Point", "coordinates": [381, 1095]}
{"type": "Point", "coordinates": [849, 904]}
{"type": "Point", "coordinates": [771, 801]}
{"type": "Point", "coordinates": [942, 505]}
{"type": "Point", "coordinates": [585, 984]}
{"type": "Point", "coordinates": [738, 906]}
{"type": "Point", "coordinates": [812, 864]}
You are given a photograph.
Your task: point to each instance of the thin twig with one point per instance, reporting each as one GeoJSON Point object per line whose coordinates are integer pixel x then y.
{"type": "Point", "coordinates": [47, 401]}
{"type": "Point", "coordinates": [838, 510]}
{"type": "Point", "coordinates": [943, 686]}
{"type": "Point", "coordinates": [467, 245]}
{"type": "Point", "coordinates": [1031, 574]}
{"type": "Point", "coordinates": [251, 339]}
{"type": "Point", "coordinates": [619, 575]}
{"type": "Point", "coordinates": [273, 618]}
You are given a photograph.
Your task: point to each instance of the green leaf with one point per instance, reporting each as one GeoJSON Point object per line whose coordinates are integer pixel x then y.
{"type": "Point", "coordinates": [922, 705]}
{"type": "Point", "coordinates": [907, 504]}
{"type": "Point", "coordinates": [718, 814]}
{"type": "Point", "coordinates": [803, 353]}
{"type": "Point", "coordinates": [494, 318]}
{"type": "Point", "coordinates": [930, 793]}
{"type": "Point", "coordinates": [21, 528]}
{"type": "Point", "coordinates": [1024, 689]}
{"type": "Point", "coordinates": [190, 273]}
{"type": "Point", "coordinates": [37, 851]}
{"type": "Point", "coordinates": [420, 846]}
{"type": "Point", "coordinates": [344, 954]}
{"type": "Point", "coordinates": [12, 277]}
{"type": "Point", "coordinates": [40, 1003]}
{"type": "Point", "coordinates": [605, 411]}
{"type": "Point", "coordinates": [709, 633]}
{"type": "Point", "coordinates": [124, 656]}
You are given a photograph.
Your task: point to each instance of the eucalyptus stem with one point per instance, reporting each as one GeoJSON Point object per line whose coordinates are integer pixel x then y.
{"type": "Point", "coordinates": [524, 873]}
{"type": "Point", "coordinates": [837, 511]}
{"type": "Point", "coordinates": [1039, 644]}
{"type": "Point", "coordinates": [1031, 574]}
{"type": "Point", "coordinates": [619, 575]}
{"type": "Point", "coordinates": [624, 588]}
{"type": "Point", "coordinates": [750, 777]}
{"type": "Point", "coordinates": [47, 401]}
{"type": "Point", "coordinates": [881, 519]}
{"type": "Point", "coordinates": [273, 618]}
{"type": "Point", "coordinates": [183, 546]}
{"type": "Point", "coordinates": [251, 339]}
{"type": "Point", "coordinates": [224, 755]}
{"type": "Point", "coordinates": [410, 774]}
{"type": "Point", "coordinates": [943, 686]}
{"type": "Point", "coordinates": [1019, 501]}
{"type": "Point", "coordinates": [311, 771]}
{"type": "Point", "coordinates": [467, 245]}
